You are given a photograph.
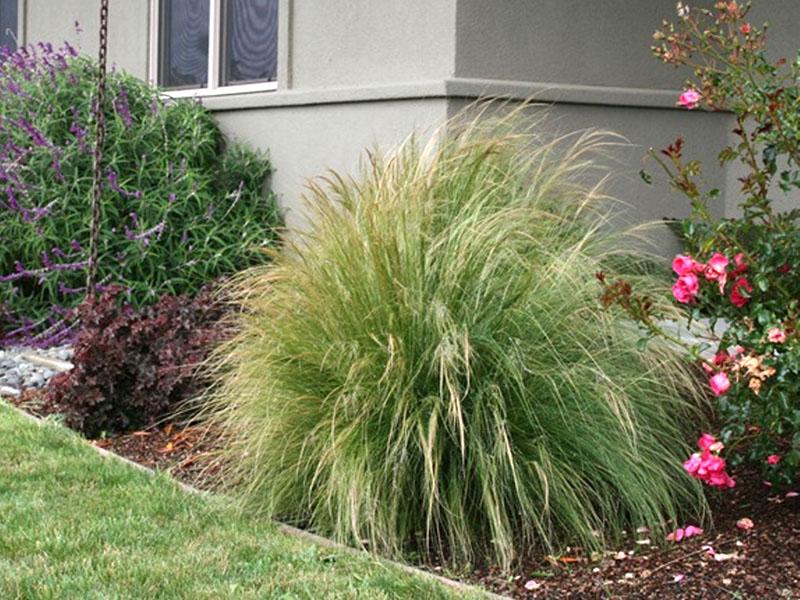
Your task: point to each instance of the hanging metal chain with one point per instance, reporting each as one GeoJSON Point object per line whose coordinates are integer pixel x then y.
{"type": "Point", "coordinates": [100, 138]}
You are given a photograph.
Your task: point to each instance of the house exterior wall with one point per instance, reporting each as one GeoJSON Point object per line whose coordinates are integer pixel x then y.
{"type": "Point", "coordinates": [77, 21]}
{"type": "Point", "coordinates": [366, 73]}
{"type": "Point", "coordinates": [593, 62]}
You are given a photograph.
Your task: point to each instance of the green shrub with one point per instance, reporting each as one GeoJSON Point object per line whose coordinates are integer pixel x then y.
{"type": "Point", "coordinates": [428, 367]}
{"type": "Point", "coordinates": [180, 207]}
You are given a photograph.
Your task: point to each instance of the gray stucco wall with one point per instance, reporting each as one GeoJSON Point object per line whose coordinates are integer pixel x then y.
{"type": "Point", "coordinates": [55, 21]}
{"type": "Point", "coordinates": [602, 43]}
{"type": "Point", "coordinates": [365, 73]}
{"type": "Point", "coordinates": [307, 140]}
{"type": "Point", "coordinates": [363, 42]}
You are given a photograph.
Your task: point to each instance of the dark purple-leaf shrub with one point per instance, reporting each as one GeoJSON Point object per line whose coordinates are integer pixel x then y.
{"type": "Point", "coordinates": [133, 366]}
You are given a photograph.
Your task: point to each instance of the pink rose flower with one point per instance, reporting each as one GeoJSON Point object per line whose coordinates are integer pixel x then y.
{"type": "Point", "coordinates": [719, 384]}
{"type": "Point", "coordinates": [706, 441]}
{"type": "Point", "coordinates": [710, 464]}
{"type": "Point", "coordinates": [776, 335]}
{"type": "Point", "coordinates": [773, 459]}
{"type": "Point", "coordinates": [710, 443]}
{"type": "Point", "coordinates": [716, 267]}
{"type": "Point", "coordinates": [736, 297]}
{"type": "Point", "coordinates": [689, 99]}
{"type": "Point", "coordinates": [683, 265]}
{"type": "Point", "coordinates": [692, 464]}
{"type": "Point", "coordinates": [686, 288]}
{"type": "Point", "coordinates": [720, 479]}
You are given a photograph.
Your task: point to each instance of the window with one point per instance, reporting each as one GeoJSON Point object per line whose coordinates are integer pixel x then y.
{"type": "Point", "coordinates": [215, 46]}
{"type": "Point", "coordinates": [8, 24]}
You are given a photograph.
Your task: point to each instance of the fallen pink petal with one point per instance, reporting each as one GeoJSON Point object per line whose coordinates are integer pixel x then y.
{"type": "Point", "coordinates": [745, 524]}
{"type": "Point", "coordinates": [692, 530]}
{"type": "Point", "coordinates": [532, 585]}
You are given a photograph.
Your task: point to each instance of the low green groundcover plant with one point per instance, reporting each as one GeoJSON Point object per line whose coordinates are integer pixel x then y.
{"type": "Point", "coordinates": [429, 368]}
{"type": "Point", "coordinates": [741, 271]}
{"type": "Point", "coordinates": [180, 206]}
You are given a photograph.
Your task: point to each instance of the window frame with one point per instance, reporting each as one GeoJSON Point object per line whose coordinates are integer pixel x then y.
{"type": "Point", "coordinates": [20, 33]}
{"type": "Point", "coordinates": [215, 54]}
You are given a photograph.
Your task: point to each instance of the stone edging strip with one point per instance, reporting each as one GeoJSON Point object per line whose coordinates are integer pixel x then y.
{"type": "Point", "coordinates": [288, 529]}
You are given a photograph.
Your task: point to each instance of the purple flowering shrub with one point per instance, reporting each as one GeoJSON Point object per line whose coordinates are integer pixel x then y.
{"type": "Point", "coordinates": [180, 207]}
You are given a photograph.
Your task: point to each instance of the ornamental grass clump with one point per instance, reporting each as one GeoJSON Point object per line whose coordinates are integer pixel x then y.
{"type": "Point", "coordinates": [428, 367]}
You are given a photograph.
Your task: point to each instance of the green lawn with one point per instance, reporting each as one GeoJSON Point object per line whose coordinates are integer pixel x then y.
{"type": "Point", "coordinates": [76, 525]}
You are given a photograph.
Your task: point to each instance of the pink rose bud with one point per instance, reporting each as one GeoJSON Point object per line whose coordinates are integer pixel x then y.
{"type": "Point", "coordinates": [689, 99]}
{"type": "Point", "coordinates": [773, 459]}
{"type": "Point", "coordinates": [741, 266]}
{"type": "Point", "coordinates": [720, 384]}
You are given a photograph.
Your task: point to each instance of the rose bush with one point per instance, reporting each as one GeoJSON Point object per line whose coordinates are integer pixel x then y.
{"type": "Point", "coordinates": [743, 271]}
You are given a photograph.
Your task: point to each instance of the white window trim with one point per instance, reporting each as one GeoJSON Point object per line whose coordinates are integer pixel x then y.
{"type": "Point", "coordinates": [213, 88]}
{"type": "Point", "coordinates": [20, 33]}
{"type": "Point", "coordinates": [22, 6]}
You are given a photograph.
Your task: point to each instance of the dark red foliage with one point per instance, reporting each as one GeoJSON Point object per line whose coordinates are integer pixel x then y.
{"type": "Point", "coordinates": [134, 367]}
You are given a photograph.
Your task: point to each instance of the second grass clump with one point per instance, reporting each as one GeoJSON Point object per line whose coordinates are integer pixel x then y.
{"type": "Point", "coordinates": [428, 367]}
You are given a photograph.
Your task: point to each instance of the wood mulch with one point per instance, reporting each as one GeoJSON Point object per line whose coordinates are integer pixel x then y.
{"type": "Point", "coordinates": [725, 562]}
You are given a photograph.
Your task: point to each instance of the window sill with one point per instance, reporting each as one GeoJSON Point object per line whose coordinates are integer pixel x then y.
{"type": "Point", "coordinates": [465, 88]}
{"type": "Point", "coordinates": [229, 90]}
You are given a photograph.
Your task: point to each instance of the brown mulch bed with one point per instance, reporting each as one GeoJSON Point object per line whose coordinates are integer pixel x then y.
{"type": "Point", "coordinates": [186, 453]}
{"type": "Point", "coordinates": [724, 562]}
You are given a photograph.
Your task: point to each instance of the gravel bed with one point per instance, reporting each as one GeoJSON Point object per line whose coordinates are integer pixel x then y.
{"type": "Point", "coordinates": [24, 368]}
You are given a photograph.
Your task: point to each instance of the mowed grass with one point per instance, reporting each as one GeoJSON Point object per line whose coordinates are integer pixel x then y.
{"type": "Point", "coordinates": [74, 524]}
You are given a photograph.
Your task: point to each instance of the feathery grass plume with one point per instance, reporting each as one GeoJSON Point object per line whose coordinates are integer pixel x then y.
{"type": "Point", "coordinates": [428, 366]}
